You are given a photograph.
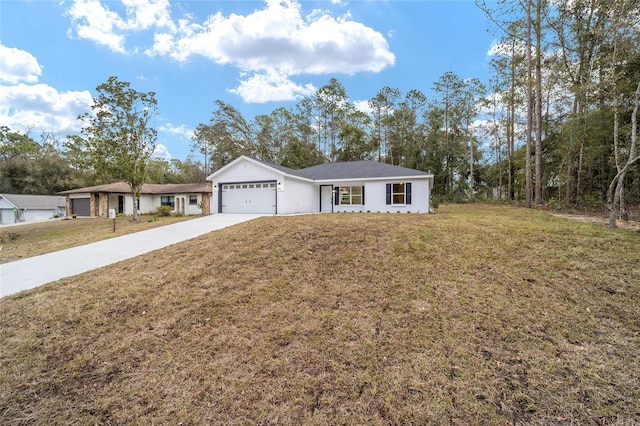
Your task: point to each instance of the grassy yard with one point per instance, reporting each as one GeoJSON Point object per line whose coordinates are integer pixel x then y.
{"type": "Point", "coordinates": [18, 242]}
{"type": "Point", "coordinates": [475, 315]}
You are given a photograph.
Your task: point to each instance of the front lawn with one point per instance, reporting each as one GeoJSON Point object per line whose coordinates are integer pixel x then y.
{"type": "Point", "coordinates": [475, 315]}
{"type": "Point", "coordinates": [33, 239]}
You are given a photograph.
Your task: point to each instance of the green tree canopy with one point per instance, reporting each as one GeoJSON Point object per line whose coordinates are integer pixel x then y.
{"type": "Point", "coordinates": [117, 139]}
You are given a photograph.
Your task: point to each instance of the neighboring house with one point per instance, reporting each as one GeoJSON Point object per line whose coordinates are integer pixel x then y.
{"type": "Point", "coordinates": [16, 208]}
{"type": "Point", "coordinates": [247, 185]}
{"type": "Point", "coordinates": [187, 198]}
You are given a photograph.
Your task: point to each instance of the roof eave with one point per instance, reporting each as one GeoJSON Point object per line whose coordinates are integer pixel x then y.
{"type": "Point", "coordinates": [430, 177]}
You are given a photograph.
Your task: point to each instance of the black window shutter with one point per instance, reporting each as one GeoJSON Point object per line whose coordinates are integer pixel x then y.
{"type": "Point", "coordinates": [388, 193]}
{"type": "Point", "coordinates": [363, 195]}
{"type": "Point", "coordinates": [336, 202]}
{"type": "Point", "coordinates": [408, 194]}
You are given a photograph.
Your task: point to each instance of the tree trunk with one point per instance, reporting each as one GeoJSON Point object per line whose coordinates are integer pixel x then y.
{"type": "Point", "coordinates": [134, 197]}
{"type": "Point", "coordinates": [613, 198]}
{"type": "Point", "coordinates": [538, 103]}
{"type": "Point", "coordinates": [529, 112]}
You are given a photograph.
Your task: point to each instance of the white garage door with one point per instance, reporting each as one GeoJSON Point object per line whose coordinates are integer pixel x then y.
{"type": "Point", "coordinates": [255, 197]}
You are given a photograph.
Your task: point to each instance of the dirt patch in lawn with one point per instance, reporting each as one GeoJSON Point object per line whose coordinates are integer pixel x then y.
{"type": "Point", "coordinates": [600, 219]}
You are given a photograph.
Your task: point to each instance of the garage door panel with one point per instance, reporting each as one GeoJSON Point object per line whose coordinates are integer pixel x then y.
{"type": "Point", "coordinates": [252, 197]}
{"type": "Point", "coordinates": [81, 206]}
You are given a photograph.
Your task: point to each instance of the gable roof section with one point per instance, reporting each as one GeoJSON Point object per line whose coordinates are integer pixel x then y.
{"type": "Point", "coordinates": [283, 169]}
{"type": "Point", "coordinates": [274, 167]}
{"type": "Point", "coordinates": [147, 188]}
{"type": "Point", "coordinates": [363, 169]}
{"type": "Point", "coordinates": [46, 202]}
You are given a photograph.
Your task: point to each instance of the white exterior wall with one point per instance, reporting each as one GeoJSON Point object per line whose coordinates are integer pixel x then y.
{"type": "Point", "coordinates": [80, 195]}
{"type": "Point", "coordinates": [188, 208]}
{"type": "Point", "coordinates": [375, 197]}
{"type": "Point", "coordinates": [298, 197]}
{"type": "Point", "coordinates": [7, 215]}
{"type": "Point", "coordinates": [32, 215]}
{"type": "Point", "coordinates": [193, 208]}
{"type": "Point", "coordinates": [147, 204]}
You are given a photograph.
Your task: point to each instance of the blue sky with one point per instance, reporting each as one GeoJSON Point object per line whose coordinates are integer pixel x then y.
{"type": "Point", "coordinates": [254, 55]}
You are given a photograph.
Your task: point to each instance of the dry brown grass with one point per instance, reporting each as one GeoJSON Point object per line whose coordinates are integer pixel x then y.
{"type": "Point", "coordinates": [33, 239]}
{"type": "Point", "coordinates": [475, 315]}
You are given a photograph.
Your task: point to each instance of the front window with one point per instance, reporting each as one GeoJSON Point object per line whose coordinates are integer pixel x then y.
{"type": "Point", "coordinates": [398, 193]}
{"type": "Point", "coordinates": [193, 200]}
{"type": "Point", "coordinates": [350, 195]}
{"type": "Point", "coordinates": [167, 200]}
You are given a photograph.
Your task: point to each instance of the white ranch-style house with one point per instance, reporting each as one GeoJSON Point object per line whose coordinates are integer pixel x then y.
{"type": "Point", "coordinates": [247, 185]}
{"type": "Point", "coordinates": [96, 201]}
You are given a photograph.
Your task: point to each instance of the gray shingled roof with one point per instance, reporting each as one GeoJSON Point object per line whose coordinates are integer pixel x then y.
{"type": "Point", "coordinates": [363, 169]}
{"type": "Point", "coordinates": [279, 167]}
{"type": "Point", "coordinates": [34, 202]}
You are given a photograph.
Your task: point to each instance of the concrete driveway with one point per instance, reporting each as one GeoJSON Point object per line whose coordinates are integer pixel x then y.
{"type": "Point", "coordinates": [28, 273]}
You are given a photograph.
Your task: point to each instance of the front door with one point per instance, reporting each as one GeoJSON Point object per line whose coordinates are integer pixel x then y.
{"type": "Point", "coordinates": [326, 198]}
{"type": "Point", "coordinates": [120, 204]}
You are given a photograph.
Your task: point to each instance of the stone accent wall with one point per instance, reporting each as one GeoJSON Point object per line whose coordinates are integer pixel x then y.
{"type": "Point", "coordinates": [67, 202]}
{"type": "Point", "coordinates": [92, 205]}
{"type": "Point", "coordinates": [206, 207]}
{"type": "Point", "coordinates": [104, 204]}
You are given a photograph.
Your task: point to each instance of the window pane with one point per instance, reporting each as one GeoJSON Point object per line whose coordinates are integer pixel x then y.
{"type": "Point", "coordinates": [356, 190]}
{"type": "Point", "coordinates": [398, 198]}
{"type": "Point", "coordinates": [398, 188]}
{"type": "Point", "coordinates": [356, 199]}
{"type": "Point", "coordinates": [345, 195]}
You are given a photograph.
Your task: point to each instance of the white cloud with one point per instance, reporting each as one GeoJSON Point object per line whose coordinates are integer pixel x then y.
{"type": "Point", "coordinates": [18, 66]}
{"type": "Point", "coordinates": [93, 21]}
{"type": "Point", "coordinates": [271, 86]}
{"type": "Point", "coordinates": [278, 38]}
{"type": "Point", "coordinates": [271, 44]}
{"type": "Point", "coordinates": [363, 106]}
{"type": "Point", "coordinates": [42, 107]}
{"type": "Point", "coordinates": [39, 107]}
{"type": "Point", "coordinates": [180, 130]}
{"type": "Point", "coordinates": [161, 151]}
{"type": "Point", "coordinates": [144, 14]}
